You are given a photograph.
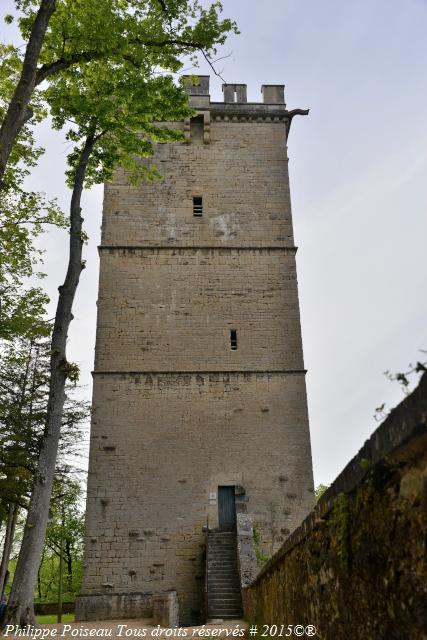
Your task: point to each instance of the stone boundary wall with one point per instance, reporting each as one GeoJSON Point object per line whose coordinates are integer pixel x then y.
{"type": "Point", "coordinates": [163, 608]}
{"type": "Point", "coordinates": [51, 608]}
{"type": "Point", "coordinates": [113, 606]}
{"type": "Point", "coordinates": [356, 567]}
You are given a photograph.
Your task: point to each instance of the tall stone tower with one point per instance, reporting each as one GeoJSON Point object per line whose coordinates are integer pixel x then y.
{"type": "Point", "coordinates": [199, 382]}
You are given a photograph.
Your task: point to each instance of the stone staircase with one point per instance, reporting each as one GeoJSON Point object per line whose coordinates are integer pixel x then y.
{"type": "Point", "coordinates": [224, 599]}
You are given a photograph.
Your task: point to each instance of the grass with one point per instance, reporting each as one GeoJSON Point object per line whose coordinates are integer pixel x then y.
{"type": "Point", "coordinates": [53, 619]}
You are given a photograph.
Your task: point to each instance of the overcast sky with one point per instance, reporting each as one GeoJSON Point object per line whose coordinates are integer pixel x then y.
{"type": "Point", "coordinates": [358, 169]}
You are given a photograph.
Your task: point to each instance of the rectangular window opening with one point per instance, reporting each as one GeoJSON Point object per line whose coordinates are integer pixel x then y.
{"type": "Point", "coordinates": [197, 129]}
{"type": "Point", "coordinates": [197, 206]}
{"type": "Point", "coordinates": [233, 339]}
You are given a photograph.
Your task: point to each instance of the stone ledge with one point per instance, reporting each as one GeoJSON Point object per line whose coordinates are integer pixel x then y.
{"type": "Point", "coordinates": [225, 249]}
{"type": "Point", "coordinates": [231, 372]}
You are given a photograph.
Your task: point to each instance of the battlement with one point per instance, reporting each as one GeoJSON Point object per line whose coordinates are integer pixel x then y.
{"type": "Point", "coordinates": [272, 94]}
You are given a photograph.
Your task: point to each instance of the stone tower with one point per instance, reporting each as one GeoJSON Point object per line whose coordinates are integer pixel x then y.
{"type": "Point", "coordinates": [199, 381]}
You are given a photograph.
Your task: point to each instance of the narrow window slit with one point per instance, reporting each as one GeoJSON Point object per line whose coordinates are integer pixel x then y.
{"type": "Point", "coordinates": [197, 206]}
{"type": "Point", "coordinates": [233, 339]}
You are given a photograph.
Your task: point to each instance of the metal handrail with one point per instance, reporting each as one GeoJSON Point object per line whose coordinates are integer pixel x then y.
{"type": "Point", "coordinates": [206, 566]}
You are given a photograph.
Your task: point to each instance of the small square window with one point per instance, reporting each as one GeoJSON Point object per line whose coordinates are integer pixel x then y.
{"type": "Point", "coordinates": [197, 206]}
{"type": "Point", "coordinates": [233, 339]}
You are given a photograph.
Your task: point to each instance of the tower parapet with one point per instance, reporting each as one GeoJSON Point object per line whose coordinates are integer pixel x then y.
{"type": "Point", "coordinates": [236, 107]}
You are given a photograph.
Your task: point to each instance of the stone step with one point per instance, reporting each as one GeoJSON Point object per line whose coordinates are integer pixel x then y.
{"type": "Point", "coordinates": [216, 587]}
{"type": "Point", "coordinates": [222, 534]}
{"type": "Point", "coordinates": [222, 611]}
{"type": "Point", "coordinates": [217, 601]}
{"type": "Point", "coordinates": [220, 549]}
{"type": "Point", "coordinates": [228, 614]}
{"type": "Point", "coordinates": [223, 580]}
{"type": "Point", "coordinates": [224, 596]}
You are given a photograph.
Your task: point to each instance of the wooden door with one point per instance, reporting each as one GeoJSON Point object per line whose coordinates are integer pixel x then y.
{"type": "Point", "coordinates": [226, 509]}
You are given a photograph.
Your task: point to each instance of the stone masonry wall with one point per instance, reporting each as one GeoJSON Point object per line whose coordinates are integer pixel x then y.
{"type": "Point", "coordinates": [177, 412]}
{"type": "Point", "coordinates": [156, 463]}
{"type": "Point", "coordinates": [243, 178]}
{"type": "Point", "coordinates": [149, 298]}
{"type": "Point", "coordinates": [357, 566]}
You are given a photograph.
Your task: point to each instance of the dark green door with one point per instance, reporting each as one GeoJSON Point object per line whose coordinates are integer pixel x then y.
{"type": "Point", "coordinates": [226, 509]}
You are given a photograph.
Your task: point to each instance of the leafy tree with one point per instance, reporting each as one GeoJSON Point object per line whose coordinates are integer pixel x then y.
{"type": "Point", "coordinates": [320, 490]}
{"type": "Point", "coordinates": [113, 104]}
{"type": "Point", "coordinates": [61, 34]}
{"type": "Point", "coordinates": [23, 217]}
{"type": "Point", "coordinates": [18, 111]}
{"type": "Point", "coordinates": [65, 514]}
{"type": "Point", "coordinates": [24, 390]}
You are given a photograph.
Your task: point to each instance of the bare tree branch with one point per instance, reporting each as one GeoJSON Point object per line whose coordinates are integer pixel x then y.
{"type": "Point", "coordinates": [210, 63]}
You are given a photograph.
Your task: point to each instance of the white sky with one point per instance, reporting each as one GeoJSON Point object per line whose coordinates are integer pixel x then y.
{"type": "Point", "coordinates": [358, 167]}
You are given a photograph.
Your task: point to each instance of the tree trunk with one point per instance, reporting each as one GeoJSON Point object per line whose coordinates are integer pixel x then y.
{"type": "Point", "coordinates": [7, 547]}
{"type": "Point", "coordinates": [21, 602]}
{"type": "Point", "coordinates": [69, 557]}
{"type": "Point", "coordinates": [19, 111]}
{"type": "Point", "coordinates": [39, 582]}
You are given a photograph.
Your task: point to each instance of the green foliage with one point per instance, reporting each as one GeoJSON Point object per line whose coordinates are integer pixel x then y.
{"type": "Point", "coordinates": [24, 390]}
{"type": "Point", "coordinates": [24, 216]}
{"type": "Point", "coordinates": [260, 556]}
{"type": "Point", "coordinates": [118, 108]}
{"type": "Point", "coordinates": [65, 512]}
{"type": "Point", "coordinates": [320, 490]}
{"type": "Point", "coordinates": [106, 60]}
{"type": "Point", "coordinates": [364, 464]}
{"type": "Point", "coordinates": [72, 372]}
{"type": "Point", "coordinates": [25, 153]}
{"type": "Point", "coordinates": [53, 619]}
{"type": "Point", "coordinates": [87, 30]}
{"type": "Point", "coordinates": [340, 518]}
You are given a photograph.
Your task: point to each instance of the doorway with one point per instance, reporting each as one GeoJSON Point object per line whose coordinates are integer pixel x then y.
{"type": "Point", "coordinates": [226, 508]}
